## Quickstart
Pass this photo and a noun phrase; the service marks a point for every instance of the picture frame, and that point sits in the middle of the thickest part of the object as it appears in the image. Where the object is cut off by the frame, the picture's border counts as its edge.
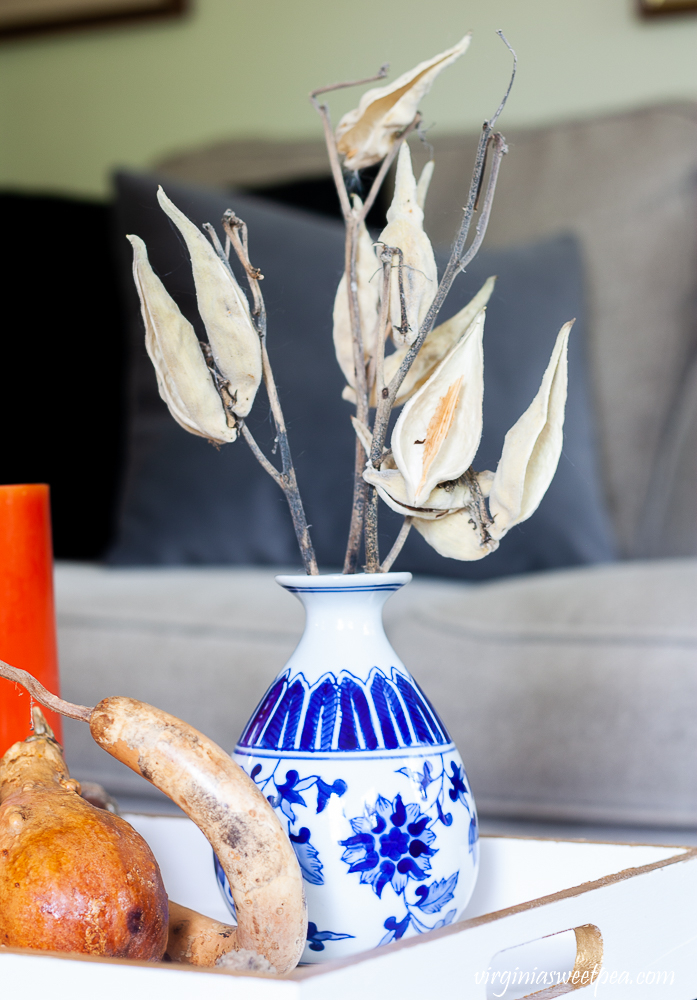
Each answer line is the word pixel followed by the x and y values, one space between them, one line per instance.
pixel 662 8
pixel 30 17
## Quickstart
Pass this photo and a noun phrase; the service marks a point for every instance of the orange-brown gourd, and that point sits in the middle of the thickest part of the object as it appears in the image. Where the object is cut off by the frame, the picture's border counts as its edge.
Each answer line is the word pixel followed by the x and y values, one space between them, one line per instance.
pixel 72 877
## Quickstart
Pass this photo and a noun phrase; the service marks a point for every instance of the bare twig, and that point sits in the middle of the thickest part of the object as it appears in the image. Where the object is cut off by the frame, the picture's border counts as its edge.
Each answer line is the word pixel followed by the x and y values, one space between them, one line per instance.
pixel 500 149
pixel 398 545
pixel 40 694
pixel 372 550
pixel 481 518
pixel 334 162
pixel 360 493
pixel 505 97
pixel 380 75
pixel 237 233
pixel 259 454
pixel 361 389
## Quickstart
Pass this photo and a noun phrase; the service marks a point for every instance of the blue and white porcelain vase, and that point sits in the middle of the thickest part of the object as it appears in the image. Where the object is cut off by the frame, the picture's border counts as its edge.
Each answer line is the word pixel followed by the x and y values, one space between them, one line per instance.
pixel 363 775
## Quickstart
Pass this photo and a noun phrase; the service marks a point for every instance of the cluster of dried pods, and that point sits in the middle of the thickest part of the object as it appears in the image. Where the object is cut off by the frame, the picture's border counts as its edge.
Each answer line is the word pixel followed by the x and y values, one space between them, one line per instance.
pixel 389 294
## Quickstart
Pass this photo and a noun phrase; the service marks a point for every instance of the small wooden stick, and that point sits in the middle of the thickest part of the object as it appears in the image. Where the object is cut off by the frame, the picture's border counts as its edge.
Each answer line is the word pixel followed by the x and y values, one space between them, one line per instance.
pixel 398 545
pixel 40 694
pixel 236 231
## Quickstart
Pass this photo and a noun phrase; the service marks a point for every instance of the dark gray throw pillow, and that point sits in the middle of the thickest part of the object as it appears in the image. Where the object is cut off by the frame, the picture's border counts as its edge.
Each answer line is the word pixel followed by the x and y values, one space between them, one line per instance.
pixel 186 502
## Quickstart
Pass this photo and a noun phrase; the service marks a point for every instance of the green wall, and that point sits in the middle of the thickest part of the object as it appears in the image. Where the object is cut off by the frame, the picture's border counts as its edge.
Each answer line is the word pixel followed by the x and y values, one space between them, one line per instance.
pixel 74 105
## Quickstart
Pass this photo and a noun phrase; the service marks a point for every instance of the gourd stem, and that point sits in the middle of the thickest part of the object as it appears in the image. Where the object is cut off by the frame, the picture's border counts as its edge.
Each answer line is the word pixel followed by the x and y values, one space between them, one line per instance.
pixel 39 692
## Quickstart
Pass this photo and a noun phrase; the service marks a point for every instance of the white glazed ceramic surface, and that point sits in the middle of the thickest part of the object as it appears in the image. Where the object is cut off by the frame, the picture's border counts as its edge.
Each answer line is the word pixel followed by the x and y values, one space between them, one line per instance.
pixel 363 776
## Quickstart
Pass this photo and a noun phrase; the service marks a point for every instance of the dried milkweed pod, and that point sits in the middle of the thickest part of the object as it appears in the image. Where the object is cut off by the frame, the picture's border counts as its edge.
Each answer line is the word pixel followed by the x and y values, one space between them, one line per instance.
pixel 457 536
pixel 392 489
pixel 405 231
pixel 532 447
pixel 368 293
pixel 367 133
pixel 183 378
pixel 438 431
pixel 436 345
pixel 224 311
pixel 424 183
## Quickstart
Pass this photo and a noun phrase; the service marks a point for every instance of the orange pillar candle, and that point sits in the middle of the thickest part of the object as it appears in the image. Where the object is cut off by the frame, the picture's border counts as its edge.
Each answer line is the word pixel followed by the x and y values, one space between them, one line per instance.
pixel 27 614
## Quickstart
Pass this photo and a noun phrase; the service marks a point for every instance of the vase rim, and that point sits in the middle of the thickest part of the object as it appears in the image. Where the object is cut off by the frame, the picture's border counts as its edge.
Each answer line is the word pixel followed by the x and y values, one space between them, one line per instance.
pixel 343 581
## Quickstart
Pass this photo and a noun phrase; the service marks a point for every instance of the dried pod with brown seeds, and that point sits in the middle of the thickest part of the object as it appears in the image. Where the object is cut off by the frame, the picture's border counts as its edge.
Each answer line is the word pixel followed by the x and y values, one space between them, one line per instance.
pixel 73 877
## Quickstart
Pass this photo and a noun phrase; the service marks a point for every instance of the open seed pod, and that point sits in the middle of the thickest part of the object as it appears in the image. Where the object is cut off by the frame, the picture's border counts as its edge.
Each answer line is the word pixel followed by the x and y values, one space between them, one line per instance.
pixel 438 431
pixel 366 134
pixel 532 447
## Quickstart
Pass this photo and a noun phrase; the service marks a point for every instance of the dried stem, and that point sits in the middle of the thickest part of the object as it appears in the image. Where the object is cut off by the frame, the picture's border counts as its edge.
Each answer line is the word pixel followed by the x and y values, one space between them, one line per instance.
pixel 40 694
pixel 380 75
pixel 237 233
pixel 372 550
pixel 361 387
pixel 353 219
pixel 398 545
pixel 259 454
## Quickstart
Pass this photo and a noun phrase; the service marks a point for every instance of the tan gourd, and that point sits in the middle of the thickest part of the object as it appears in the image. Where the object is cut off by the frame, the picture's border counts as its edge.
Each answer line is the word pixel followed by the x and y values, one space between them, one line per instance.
pixel 73 877
pixel 238 822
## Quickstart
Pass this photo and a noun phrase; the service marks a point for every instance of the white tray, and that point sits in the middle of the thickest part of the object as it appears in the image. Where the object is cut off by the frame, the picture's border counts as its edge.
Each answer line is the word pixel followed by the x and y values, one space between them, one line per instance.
pixel 633 909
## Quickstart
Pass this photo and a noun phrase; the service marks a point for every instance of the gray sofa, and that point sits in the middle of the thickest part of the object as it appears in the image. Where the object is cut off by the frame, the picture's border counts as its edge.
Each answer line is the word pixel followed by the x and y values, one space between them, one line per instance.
pixel 571 694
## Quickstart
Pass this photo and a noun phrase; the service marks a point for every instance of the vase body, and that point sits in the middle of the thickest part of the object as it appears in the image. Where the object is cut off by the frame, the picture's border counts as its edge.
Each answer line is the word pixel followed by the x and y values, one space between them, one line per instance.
pixel 363 776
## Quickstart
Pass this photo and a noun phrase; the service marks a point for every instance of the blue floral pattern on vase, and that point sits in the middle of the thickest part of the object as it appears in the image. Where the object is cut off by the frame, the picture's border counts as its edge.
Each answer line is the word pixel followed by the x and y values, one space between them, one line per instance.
pixel 390 844
pixel 363 775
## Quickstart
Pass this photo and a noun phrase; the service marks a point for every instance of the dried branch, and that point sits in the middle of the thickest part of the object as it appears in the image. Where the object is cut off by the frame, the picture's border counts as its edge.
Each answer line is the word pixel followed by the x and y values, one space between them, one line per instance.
pixel 237 233
pixel 40 694
pixel 334 161
pixel 259 454
pixel 504 99
pixel 398 545
pixel 372 550
pixel 380 75
pixel 458 257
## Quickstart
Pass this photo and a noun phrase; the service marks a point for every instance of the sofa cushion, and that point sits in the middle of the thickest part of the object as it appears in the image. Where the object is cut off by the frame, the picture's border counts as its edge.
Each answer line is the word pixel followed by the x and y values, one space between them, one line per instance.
pixel 185 502
pixel 571 695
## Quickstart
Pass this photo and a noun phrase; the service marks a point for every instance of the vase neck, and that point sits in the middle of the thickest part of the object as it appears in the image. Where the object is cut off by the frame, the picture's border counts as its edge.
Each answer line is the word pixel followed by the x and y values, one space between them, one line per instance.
pixel 343 626
pixel 344 689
